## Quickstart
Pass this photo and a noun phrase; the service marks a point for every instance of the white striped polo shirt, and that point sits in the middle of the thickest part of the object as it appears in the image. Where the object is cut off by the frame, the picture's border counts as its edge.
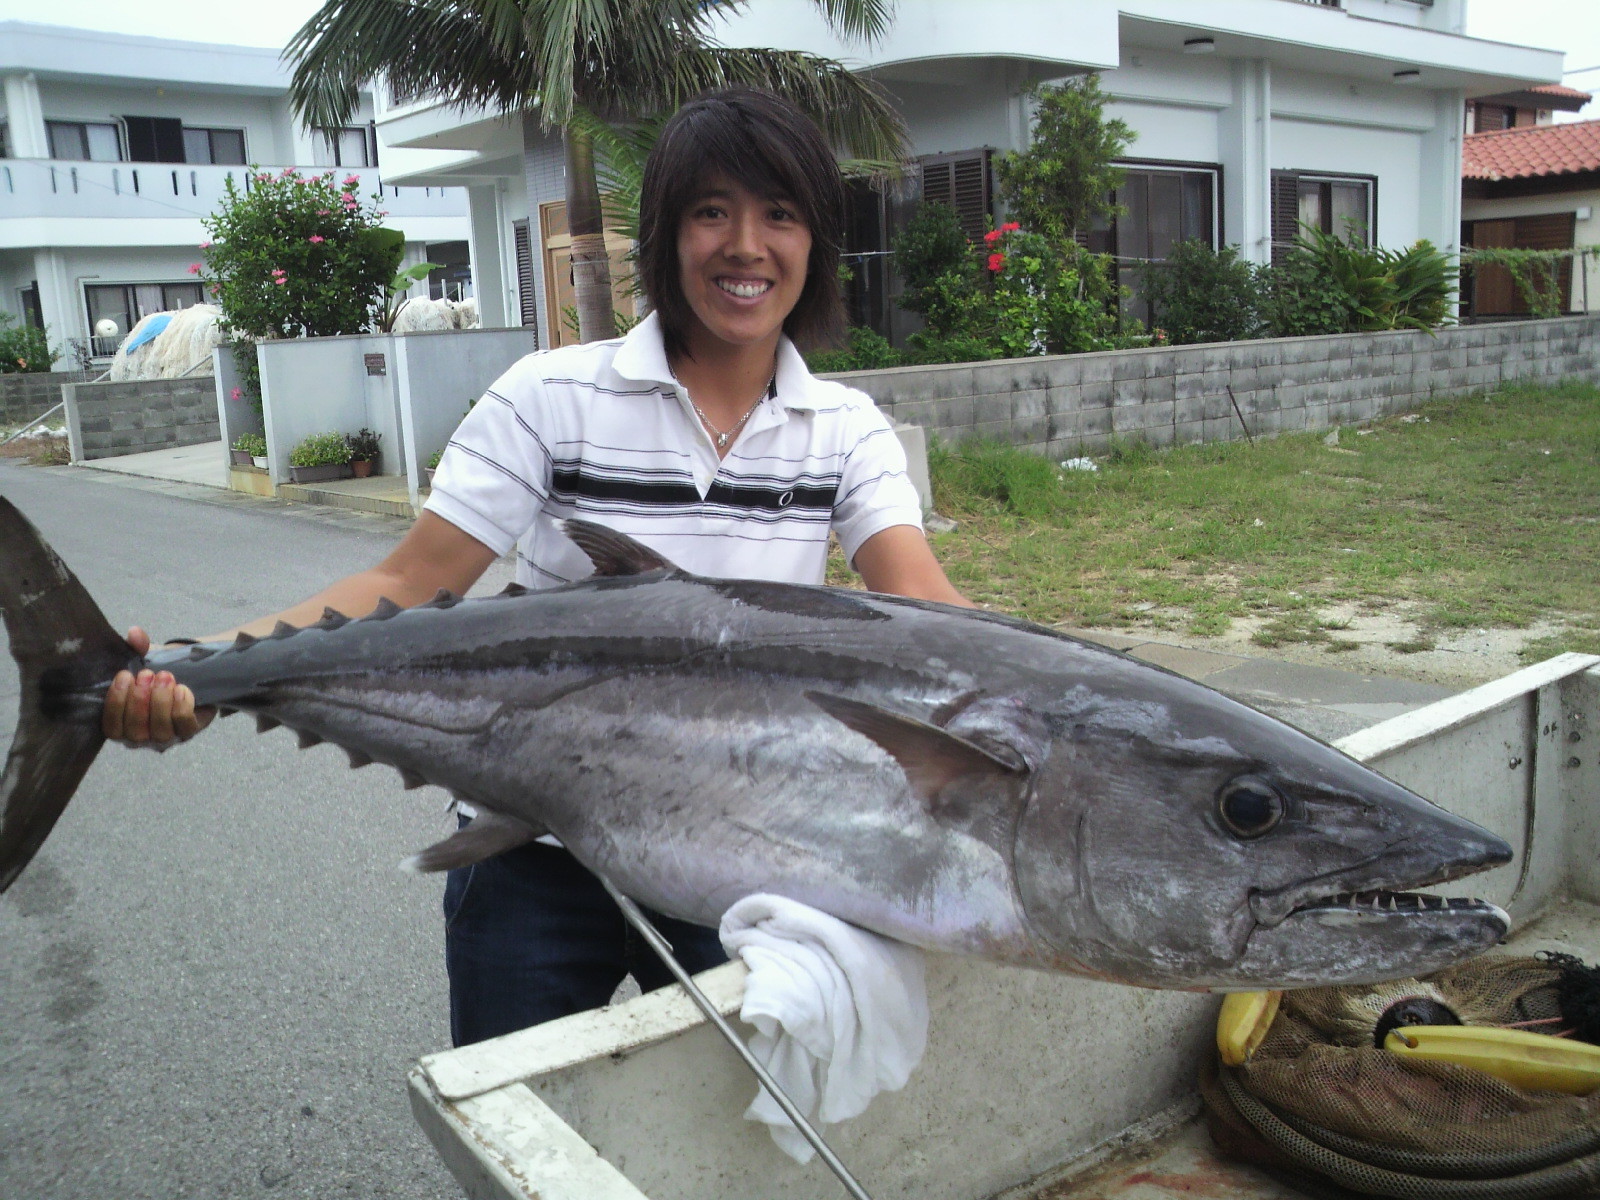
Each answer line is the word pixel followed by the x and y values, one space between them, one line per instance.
pixel 603 432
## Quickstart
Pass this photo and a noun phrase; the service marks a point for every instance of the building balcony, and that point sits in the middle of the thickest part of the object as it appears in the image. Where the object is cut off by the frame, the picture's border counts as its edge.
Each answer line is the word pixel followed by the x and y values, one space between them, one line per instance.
pixel 47 202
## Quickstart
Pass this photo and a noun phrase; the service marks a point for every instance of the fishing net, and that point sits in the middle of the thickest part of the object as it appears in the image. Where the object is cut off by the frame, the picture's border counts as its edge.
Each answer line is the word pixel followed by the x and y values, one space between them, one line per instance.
pixel 1320 1104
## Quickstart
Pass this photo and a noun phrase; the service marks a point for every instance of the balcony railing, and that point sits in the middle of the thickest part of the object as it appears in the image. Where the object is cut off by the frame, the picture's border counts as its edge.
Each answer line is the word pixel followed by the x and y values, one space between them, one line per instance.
pixel 31 187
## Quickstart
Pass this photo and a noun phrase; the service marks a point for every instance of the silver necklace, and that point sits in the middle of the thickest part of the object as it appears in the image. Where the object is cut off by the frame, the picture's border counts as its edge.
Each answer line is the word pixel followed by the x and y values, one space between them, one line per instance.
pixel 717 435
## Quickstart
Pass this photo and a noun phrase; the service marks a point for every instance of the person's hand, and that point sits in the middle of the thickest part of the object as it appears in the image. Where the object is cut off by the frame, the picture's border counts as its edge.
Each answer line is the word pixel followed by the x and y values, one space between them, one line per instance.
pixel 152 708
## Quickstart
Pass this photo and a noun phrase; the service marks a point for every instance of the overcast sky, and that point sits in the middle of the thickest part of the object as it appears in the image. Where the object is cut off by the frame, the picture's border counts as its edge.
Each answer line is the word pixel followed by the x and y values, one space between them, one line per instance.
pixel 1569 25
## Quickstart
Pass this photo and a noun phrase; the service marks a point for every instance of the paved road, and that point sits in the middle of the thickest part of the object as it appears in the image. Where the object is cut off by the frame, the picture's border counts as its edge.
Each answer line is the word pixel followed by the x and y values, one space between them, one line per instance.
pixel 213 977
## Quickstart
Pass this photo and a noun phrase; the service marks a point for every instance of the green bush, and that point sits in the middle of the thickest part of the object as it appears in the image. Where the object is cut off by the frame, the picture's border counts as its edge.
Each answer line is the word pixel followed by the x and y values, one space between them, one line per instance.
pixel 24 348
pixel 320 450
pixel 297 256
pixel 1206 295
pixel 252 444
pixel 1067 174
pixel 1330 284
pixel 1298 300
pixel 867 350
pixel 1048 297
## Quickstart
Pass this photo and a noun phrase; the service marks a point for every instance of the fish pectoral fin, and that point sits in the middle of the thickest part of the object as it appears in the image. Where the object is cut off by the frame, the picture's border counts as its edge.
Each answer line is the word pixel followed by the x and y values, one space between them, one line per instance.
pixel 932 758
pixel 613 553
pixel 488 834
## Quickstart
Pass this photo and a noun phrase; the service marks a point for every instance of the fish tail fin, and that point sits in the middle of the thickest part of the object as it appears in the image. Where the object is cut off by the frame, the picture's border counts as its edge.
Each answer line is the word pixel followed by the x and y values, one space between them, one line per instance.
pixel 66 654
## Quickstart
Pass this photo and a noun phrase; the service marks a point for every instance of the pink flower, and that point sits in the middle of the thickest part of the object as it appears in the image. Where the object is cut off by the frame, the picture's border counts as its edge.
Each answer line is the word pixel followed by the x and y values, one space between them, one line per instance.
pixel 280 282
pixel 263 178
pixel 215 288
pixel 383 212
pixel 996 261
pixel 316 238
pixel 205 245
pixel 236 394
pixel 323 212
pixel 347 196
pixel 194 268
pixel 351 206
pixel 351 181
pixel 289 173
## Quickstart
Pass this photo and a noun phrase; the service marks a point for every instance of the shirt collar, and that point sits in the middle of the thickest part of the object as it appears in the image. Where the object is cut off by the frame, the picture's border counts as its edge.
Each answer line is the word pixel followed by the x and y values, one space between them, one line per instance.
pixel 643 358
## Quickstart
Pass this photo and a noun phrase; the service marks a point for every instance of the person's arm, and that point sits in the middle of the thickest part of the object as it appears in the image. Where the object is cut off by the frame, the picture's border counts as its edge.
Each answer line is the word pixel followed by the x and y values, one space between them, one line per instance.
pixel 153 707
pixel 898 560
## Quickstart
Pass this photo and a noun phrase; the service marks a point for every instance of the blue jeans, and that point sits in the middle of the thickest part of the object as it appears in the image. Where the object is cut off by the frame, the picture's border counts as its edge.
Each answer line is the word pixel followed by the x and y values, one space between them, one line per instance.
pixel 531 935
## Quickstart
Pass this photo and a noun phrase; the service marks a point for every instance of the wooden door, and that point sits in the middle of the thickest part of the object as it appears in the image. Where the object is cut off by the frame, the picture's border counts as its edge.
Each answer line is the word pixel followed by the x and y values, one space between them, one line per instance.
pixel 1494 292
pixel 561 298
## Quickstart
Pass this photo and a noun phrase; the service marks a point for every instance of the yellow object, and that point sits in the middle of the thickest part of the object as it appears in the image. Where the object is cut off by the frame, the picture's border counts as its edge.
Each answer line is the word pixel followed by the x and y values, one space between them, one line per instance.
pixel 1536 1061
pixel 1243 1023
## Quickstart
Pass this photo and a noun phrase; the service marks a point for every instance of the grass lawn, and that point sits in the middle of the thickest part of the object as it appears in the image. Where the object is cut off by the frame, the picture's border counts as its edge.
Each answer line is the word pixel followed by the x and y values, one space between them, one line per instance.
pixel 1473 512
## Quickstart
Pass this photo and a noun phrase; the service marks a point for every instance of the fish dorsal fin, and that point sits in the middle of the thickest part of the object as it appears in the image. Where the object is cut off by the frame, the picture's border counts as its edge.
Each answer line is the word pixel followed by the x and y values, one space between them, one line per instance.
pixel 613 553
pixel 932 758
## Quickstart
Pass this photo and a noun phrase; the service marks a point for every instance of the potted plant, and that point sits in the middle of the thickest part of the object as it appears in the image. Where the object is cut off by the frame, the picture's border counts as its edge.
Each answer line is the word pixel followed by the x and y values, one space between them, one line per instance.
pixel 249 449
pixel 363 444
pixel 319 456
pixel 433 465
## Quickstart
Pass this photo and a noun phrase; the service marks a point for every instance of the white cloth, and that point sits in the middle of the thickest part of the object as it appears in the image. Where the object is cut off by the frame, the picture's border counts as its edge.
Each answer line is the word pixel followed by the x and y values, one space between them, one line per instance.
pixel 840 1014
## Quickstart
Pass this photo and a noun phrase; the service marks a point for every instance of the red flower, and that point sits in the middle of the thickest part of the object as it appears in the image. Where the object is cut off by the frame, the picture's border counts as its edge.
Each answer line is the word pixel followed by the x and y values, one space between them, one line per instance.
pixel 1010 227
pixel 996 261
pixel 992 236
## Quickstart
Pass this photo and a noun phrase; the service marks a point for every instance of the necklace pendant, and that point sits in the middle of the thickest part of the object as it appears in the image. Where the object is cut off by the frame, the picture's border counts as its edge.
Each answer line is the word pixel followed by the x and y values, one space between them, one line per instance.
pixel 722 440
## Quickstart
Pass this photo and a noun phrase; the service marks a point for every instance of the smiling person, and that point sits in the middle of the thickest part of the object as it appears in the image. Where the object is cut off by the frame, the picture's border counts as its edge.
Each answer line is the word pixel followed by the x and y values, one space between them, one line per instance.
pixel 702 434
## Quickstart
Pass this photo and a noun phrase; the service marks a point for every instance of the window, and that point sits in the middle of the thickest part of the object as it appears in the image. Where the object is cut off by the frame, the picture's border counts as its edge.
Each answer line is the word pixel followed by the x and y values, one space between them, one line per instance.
pixel 1345 206
pixel 224 146
pixel 1162 204
pixel 84 141
pixel 351 146
pixel 965 183
pixel 126 304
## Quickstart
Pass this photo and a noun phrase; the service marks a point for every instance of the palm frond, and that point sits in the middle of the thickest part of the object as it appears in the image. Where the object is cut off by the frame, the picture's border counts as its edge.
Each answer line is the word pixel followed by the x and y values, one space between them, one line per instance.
pixel 423 46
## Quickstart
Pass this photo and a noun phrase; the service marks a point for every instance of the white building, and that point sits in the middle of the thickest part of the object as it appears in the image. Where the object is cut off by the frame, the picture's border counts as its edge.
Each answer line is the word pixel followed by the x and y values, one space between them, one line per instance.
pixel 112 148
pixel 1252 116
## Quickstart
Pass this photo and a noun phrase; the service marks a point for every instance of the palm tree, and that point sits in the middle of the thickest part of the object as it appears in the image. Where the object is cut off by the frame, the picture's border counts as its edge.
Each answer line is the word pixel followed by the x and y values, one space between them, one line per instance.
pixel 549 59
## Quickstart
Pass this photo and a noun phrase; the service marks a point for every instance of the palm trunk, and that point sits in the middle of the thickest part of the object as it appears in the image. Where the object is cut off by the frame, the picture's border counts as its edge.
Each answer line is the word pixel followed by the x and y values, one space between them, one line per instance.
pixel 591 264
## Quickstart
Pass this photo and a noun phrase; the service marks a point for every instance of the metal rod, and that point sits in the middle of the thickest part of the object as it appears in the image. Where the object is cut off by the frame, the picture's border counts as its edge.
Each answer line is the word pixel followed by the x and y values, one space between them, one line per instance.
pixel 1240 415
pixel 31 424
pixel 663 949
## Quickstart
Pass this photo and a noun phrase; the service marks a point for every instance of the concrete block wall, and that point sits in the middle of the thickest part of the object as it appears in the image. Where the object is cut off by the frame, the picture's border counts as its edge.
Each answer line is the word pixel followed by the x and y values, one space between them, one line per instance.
pixel 25 397
pixel 105 420
pixel 1076 404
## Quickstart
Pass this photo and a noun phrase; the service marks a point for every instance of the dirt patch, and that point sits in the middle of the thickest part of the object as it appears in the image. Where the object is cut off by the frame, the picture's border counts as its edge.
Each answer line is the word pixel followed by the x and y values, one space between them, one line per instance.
pixel 1392 641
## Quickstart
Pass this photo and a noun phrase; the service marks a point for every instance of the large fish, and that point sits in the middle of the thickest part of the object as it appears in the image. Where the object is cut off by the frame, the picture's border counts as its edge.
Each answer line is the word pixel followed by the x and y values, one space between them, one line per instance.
pixel 958 780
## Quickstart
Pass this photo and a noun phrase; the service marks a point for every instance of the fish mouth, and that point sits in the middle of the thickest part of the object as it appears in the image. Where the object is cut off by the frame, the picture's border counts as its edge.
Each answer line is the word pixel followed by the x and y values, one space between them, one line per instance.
pixel 1345 893
pixel 1380 903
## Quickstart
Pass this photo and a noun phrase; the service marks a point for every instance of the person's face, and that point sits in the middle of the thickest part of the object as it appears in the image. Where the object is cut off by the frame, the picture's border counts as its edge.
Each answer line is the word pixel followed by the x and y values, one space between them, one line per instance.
pixel 742 265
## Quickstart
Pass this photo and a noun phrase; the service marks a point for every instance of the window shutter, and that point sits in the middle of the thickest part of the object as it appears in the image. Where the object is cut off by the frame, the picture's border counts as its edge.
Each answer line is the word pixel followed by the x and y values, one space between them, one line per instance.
pixel 1285 212
pixel 963 182
pixel 525 283
pixel 154 139
pixel 1552 231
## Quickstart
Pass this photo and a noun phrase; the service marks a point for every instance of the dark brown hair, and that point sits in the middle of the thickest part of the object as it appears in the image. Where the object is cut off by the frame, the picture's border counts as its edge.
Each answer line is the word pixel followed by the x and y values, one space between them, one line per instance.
pixel 765 143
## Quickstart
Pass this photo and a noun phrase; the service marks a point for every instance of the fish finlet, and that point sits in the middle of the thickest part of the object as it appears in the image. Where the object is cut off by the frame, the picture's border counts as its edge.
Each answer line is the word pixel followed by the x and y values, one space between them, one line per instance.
pixel 282 630
pixel 332 618
pixel 266 724
pixel 514 589
pixel 410 779
pixel 383 610
pixel 358 758
pixel 196 653
pixel 444 598
pixel 308 739
pixel 244 641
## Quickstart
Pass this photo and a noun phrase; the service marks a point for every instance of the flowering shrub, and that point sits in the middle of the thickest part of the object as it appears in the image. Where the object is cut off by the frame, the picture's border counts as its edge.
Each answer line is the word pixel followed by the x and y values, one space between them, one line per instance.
pixel 1048 297
pixel 297 256
pixel 23 348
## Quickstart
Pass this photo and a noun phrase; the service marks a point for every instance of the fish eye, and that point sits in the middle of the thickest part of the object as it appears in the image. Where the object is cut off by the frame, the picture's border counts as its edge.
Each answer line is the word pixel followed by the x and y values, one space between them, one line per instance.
pixel 1250 807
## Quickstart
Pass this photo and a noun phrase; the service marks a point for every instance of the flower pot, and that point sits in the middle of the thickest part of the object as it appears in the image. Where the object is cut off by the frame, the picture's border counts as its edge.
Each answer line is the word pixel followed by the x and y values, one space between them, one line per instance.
pixel 361 467
pixel 258 460
pixel 239 458
pixel 428 471
pixel 319 474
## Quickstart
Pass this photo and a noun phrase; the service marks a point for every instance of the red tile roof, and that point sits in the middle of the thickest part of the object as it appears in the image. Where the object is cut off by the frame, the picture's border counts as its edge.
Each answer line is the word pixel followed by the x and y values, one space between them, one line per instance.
pixel 1532 151
pixel 1557 89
